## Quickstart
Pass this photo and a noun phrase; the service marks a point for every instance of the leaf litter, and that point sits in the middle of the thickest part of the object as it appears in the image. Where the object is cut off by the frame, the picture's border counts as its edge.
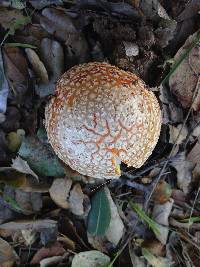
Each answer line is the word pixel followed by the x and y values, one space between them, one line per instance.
pixel 142 219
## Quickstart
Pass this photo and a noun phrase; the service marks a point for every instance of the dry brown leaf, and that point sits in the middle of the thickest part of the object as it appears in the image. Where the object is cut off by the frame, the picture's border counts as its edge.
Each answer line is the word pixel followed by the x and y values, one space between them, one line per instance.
pixel 16 71
pixel 174 133
pixel 37 65
pixel 59 192
pixel 7 255
pixel 55 250
pixel 162 192
pixel 194 154
pixel 184 80
pixel 28 224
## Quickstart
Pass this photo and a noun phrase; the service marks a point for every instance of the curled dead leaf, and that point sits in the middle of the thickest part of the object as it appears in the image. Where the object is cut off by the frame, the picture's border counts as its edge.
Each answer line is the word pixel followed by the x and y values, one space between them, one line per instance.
pixel 59 192
pixel 37 65
pixel 184 80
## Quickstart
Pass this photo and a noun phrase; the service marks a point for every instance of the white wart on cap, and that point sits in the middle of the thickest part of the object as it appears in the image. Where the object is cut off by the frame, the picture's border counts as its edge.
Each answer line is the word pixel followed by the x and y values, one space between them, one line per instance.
pixel 102 116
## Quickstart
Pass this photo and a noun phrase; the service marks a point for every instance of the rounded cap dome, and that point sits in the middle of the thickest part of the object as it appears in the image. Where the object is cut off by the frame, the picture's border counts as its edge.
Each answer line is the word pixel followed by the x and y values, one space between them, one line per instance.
pixel 102 116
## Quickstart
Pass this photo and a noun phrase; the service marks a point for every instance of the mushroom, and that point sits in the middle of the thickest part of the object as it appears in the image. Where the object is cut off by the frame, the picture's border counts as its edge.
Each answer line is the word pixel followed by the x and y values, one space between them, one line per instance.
pixel 101 116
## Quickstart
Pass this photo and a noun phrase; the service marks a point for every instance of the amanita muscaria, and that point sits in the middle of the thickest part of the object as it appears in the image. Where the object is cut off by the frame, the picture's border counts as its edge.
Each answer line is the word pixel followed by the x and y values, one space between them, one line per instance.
pixel 102 116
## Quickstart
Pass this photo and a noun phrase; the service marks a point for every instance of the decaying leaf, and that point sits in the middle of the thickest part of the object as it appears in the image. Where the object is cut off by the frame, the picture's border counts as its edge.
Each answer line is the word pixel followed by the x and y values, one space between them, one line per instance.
pixel 63 27
pixel 161 214
pixel 12 19
pixel 12 177
pixel 116 227
pixel 14 140
pixel 40 157
pixel 156 261
pixel 7 254
pixel 91 258
pixel 100 214
pixel 177 131
pixel 37 65
pixel 21 165
pixel 194 154
pixel 29 224
pixel 52 261
pixel 162 193
pixel 29 236
pixel 76 200
pixel 184 172
pixel 52 55
pixel 16 71
pixel 55 250
pixel 184 80
pixel 59 192
pixel 30 202
pixel 154 246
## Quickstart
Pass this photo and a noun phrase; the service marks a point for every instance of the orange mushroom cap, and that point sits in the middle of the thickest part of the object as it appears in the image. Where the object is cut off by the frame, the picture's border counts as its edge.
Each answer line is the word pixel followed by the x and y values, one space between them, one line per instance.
pixel 102 116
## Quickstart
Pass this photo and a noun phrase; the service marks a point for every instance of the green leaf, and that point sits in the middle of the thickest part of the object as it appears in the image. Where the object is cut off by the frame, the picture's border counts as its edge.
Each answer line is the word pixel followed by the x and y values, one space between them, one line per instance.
pixel 40 157
pixel 91 258
pixel 143 216
pixel 100 214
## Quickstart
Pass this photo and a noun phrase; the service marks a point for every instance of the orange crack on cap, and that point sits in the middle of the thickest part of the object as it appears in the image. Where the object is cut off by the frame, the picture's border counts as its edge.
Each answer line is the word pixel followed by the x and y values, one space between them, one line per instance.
pixel 102 116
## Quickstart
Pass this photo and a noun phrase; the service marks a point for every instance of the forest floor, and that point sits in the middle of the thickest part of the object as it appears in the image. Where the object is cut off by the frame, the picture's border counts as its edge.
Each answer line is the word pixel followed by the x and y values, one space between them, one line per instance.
pixel 48 212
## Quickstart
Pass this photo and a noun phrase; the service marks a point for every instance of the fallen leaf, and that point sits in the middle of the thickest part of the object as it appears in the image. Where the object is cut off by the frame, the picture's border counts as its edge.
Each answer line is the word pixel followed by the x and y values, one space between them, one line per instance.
pixel 59 192
pixel 176 113
pixel 12 19
pixel 184 80
pixel 53 57
pixel 52 261
pixel 55 250
pixel 29 224
pixel 37 65
pixel 14 141
pixel 40 157
pixel 21 165
pixel 184 172
pixel 116 227
pixel 161 214
pixel 155 261
pixel 194 154
pixel 7 255
pixel 62 26
pixel 16 71
pixel 174 133
pixel 29 236
pixel 76 199
pixel 92 258
pixel 12 177
pixel 30 202
pixel 100 214
pixel 162 192
pixel 154 246
pixel 136 260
